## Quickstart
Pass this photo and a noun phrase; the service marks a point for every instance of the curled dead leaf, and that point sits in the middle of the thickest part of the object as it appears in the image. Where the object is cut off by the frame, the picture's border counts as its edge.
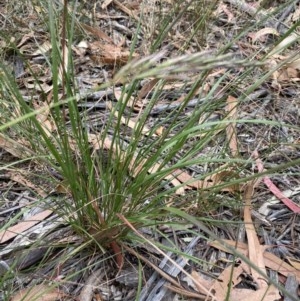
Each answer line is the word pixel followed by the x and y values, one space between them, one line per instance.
pixel 261 34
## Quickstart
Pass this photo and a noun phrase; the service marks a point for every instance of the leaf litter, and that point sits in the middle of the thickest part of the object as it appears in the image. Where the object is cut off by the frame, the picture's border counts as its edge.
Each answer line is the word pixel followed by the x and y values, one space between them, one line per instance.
pixel 108 54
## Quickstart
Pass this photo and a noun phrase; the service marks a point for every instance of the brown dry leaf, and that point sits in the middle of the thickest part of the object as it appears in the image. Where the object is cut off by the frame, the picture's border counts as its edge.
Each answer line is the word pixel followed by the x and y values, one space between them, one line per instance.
pixel 13 231
pixel 184 177
pixel 294 64
pixel 159 131
pixel 254 247
pixel 103 53
pixel 43 49
pixel 293 262
pixel 261 34
pixel 147 88
pixel 20 177
pixel 80 49
pixel 63 187
pixel 288 74
pixel 271 261
pixel 14 147
pixel 231 109
pixel 43 118
pixel 268 294
pixel 42 86
pixel 199 279
pixel 96 32
pixel 25 38
pixel 218 178
pixel 229 278
pixel 230 16
pixel 255 252
pixel 39 292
